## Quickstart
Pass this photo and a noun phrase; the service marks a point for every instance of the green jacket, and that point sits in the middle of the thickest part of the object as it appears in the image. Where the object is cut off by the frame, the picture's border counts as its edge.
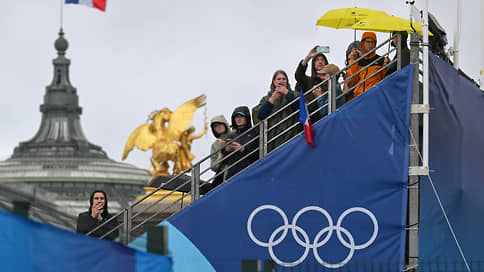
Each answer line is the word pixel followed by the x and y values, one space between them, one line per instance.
pixel 265 108
pixel 306 83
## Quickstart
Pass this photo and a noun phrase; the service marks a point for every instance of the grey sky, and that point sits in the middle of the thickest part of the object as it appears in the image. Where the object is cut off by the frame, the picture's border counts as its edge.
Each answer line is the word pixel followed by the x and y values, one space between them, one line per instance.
pixel 145 55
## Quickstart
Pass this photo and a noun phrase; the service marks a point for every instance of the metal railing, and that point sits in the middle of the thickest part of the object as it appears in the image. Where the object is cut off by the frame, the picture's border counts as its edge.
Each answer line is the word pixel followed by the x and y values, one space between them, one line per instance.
pixel 129 219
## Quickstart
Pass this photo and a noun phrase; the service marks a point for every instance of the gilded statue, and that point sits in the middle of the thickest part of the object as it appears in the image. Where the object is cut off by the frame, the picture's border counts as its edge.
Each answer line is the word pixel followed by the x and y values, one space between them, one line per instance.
pixel 168 135
pixel 186 139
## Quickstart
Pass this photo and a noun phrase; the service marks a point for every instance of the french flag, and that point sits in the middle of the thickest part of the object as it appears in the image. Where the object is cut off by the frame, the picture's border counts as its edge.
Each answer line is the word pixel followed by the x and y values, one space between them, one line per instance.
pixel 304 119
pixel 99 4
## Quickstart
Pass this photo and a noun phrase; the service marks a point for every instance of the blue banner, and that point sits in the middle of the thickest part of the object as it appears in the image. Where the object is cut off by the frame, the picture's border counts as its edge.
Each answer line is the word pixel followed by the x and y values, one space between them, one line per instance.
pixel 26 245
pixel 456 162
pixel 337 205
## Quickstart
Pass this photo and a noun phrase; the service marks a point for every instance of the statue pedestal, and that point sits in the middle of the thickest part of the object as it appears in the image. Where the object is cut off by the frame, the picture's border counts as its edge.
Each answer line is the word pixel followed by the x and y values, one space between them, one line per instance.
pixel 182 184
pixel 169 204
pixel 162 180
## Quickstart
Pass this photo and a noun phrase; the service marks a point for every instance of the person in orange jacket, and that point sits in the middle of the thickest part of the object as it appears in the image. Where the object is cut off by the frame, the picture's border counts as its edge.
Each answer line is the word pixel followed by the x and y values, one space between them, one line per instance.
pixel 370 74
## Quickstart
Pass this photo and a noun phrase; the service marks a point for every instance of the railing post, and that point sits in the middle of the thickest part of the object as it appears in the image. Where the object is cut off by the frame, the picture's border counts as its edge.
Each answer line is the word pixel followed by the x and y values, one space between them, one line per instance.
pixel 195 182
pixel 399 51
pixel 269 266
pixel 21 207
pixel 263 139
pixel 332 94
pixel 251 265
pixel 127 225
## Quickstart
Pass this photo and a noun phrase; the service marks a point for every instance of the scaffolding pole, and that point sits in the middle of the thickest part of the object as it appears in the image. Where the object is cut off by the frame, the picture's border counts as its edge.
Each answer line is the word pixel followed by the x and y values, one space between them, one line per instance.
pixel 413 180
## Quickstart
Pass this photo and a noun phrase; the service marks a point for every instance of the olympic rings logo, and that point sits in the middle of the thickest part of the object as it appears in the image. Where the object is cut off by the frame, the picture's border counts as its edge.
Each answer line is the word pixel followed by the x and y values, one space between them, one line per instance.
pixel 340 231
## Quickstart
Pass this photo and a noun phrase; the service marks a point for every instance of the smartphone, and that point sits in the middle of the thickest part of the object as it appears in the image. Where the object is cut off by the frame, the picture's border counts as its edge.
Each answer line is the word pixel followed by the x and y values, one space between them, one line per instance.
pixel 322 49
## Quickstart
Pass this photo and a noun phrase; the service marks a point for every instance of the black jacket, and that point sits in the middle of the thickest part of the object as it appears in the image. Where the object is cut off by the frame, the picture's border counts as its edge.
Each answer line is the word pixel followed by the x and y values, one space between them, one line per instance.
pixel 85 223
pixel 242 136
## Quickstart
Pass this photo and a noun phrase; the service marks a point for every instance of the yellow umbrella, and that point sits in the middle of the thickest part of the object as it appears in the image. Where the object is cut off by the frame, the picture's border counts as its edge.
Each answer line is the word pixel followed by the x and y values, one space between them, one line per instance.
pixel 387 24
pixel 347 17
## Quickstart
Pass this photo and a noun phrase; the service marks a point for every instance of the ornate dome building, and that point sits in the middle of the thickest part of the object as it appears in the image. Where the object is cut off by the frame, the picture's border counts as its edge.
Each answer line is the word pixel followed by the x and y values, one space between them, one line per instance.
pixel 59 168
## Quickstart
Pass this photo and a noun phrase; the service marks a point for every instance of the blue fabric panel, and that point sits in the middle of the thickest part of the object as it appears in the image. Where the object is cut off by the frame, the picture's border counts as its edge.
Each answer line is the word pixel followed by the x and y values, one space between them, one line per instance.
pixel 456 160
pixel 358 166
pixel 148 262
pixel 186 256
pixel 26 245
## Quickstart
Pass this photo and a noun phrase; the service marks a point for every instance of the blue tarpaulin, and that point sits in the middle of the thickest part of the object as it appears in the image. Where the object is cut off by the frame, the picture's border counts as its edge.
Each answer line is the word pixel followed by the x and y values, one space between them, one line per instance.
pixel 456 161
pixel 337 205
pixel 26 245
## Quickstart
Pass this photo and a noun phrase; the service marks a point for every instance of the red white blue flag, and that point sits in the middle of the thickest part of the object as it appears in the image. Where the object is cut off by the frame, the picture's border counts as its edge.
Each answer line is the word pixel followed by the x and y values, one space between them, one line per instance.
pixel 99 4
pixel 304 119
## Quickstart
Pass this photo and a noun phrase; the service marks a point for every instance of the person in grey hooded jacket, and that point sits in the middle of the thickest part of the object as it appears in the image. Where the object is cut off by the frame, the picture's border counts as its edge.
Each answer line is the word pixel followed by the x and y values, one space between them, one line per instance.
pixel 220 130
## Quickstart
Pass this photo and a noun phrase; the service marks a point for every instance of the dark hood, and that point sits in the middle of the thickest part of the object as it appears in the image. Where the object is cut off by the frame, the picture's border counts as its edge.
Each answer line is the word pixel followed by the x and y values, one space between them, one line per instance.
pixel 245 110
pixel 404 36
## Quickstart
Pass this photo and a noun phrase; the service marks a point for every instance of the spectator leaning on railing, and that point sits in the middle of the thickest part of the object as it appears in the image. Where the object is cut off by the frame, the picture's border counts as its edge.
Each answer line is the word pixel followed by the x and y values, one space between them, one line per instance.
pixel 368 75
pixel 235 150
pixel 318 61
pixel 353 52
pixel 96 215
pixel 279 96
pixel 220 130
pixel 404 52
pixel 324 74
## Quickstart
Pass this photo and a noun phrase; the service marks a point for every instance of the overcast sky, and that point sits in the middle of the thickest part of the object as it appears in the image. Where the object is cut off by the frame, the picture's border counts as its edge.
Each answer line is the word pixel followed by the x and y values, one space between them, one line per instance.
pixel 140 56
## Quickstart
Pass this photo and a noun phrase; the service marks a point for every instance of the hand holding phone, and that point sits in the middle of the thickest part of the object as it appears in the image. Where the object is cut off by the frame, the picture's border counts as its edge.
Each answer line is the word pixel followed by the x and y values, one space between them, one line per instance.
pixel 354 54
pixel 322 49
pixel 281 88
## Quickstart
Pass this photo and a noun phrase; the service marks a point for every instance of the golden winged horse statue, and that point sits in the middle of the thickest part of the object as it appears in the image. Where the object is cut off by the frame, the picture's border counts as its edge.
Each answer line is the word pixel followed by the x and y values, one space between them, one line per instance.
pixel 168 136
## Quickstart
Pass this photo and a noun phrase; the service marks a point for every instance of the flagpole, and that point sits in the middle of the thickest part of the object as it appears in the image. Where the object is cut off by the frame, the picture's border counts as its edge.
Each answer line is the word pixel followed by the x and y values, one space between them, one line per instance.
pixel 457 32
pixel 61 13
pixel 425 34
pixel 481 70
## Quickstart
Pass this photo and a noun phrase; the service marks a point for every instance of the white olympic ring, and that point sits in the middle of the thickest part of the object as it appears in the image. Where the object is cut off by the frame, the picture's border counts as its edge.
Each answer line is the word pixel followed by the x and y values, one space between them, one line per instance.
pixel 315 244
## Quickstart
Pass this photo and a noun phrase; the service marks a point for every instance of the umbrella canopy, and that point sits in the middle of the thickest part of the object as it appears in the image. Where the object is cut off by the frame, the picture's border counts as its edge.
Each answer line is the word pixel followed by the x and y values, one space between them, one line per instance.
pixel 347 17
pixel 387 24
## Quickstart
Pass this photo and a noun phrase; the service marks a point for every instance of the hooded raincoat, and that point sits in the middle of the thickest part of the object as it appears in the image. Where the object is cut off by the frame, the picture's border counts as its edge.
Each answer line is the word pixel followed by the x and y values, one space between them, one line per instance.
pixel 215 150
pixel 369 74
pixel 243 136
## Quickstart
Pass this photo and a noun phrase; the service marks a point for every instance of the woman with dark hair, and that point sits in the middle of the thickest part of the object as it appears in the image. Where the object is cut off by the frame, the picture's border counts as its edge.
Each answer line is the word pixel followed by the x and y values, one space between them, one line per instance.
pixel 96 215
pixel 279 96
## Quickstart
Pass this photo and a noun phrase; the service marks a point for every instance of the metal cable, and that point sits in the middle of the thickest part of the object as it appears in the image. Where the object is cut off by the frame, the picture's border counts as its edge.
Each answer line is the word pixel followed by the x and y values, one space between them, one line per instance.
pixel 442 207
